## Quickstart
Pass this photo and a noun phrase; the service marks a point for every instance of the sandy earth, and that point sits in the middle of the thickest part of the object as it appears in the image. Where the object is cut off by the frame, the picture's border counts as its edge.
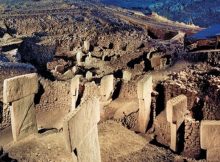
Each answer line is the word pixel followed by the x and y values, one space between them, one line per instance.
pixel 117 143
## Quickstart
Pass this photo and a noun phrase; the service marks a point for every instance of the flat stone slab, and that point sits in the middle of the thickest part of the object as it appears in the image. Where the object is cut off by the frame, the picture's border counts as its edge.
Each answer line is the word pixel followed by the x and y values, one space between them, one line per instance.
pixel 176 109
pixel 23 118
pixel 80 131
pixel 19 87
pixel 210 134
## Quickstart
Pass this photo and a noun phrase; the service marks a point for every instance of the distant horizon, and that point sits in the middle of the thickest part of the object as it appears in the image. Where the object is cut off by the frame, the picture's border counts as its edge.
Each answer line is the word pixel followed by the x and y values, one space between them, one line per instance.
pixel 176 10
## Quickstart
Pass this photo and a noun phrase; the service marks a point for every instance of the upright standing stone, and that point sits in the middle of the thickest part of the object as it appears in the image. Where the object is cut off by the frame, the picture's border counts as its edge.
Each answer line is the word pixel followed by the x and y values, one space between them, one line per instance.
pixel 210 139
pixel 107 87
pixel 81 132
pixel 144 90
pixel 79 57
pixel 176 109
pixel 210 134
pixel 86 46
pixel 19 92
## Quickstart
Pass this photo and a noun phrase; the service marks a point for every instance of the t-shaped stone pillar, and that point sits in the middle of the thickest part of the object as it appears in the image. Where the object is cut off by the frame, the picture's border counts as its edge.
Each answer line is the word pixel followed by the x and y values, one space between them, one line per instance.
pixel 19 93
pixel 176 109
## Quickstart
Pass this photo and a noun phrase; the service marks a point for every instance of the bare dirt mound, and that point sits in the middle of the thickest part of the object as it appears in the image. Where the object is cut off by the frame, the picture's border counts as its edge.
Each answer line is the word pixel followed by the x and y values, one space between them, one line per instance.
pixel 40 149
pixel 119 144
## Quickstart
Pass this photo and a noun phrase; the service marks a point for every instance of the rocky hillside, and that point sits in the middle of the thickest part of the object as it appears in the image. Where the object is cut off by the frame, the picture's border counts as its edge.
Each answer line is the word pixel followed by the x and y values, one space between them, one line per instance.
pixel 200 12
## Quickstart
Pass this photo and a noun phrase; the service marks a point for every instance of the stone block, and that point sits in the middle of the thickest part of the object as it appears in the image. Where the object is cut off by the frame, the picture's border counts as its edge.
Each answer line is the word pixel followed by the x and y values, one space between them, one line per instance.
pixel 176 109
pixel 213 154
pixel 19 87
pixel 107 87
pixel 210 134
pixel 80 131
pixel 23 118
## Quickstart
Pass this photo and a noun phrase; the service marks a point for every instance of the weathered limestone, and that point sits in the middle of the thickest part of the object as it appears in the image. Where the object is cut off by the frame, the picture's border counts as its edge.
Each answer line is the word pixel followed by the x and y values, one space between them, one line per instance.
pixel 89 75
pixel 86 46
pixel 210 139
pixel 79 56
pixel 19 93
pixel 173 140
pixel 176 109
pixel 74 90
pixel 127 76
pixel 144 90
pixel 213 154
pixel 209 134
pixel 107 87
pixel 23 118
pixel 81 132
pixel 20 87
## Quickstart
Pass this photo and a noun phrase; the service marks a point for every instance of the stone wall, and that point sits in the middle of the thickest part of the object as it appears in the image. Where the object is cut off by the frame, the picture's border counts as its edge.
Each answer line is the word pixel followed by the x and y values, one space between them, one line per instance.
pixel 192 138
pixel 173 89
pixel 162 129
pixel 210 56
pixel 53 95
pixel 53 102
pixel 211 104
pixel 128 90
